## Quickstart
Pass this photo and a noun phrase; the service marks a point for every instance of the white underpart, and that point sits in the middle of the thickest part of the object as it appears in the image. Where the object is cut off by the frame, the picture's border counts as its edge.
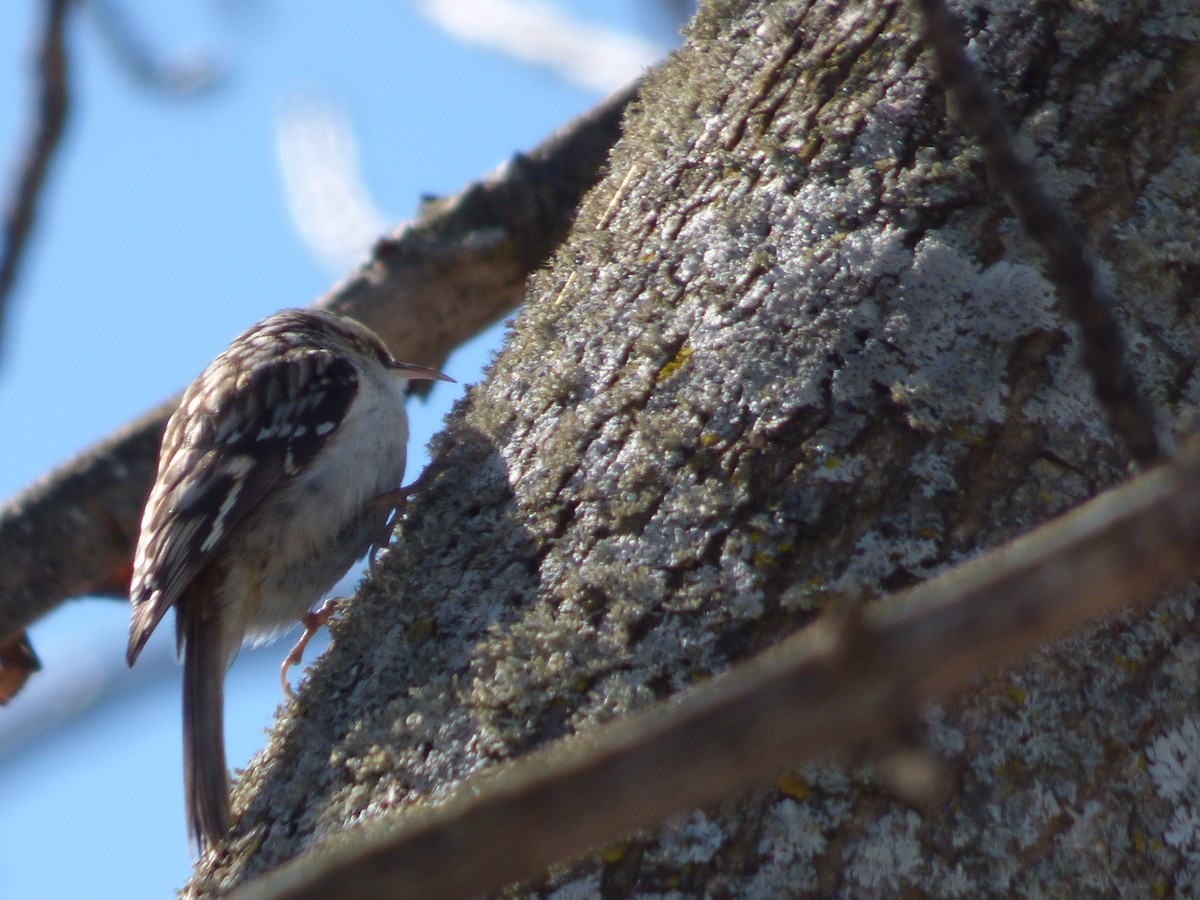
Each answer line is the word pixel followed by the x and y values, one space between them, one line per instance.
pixel 362 460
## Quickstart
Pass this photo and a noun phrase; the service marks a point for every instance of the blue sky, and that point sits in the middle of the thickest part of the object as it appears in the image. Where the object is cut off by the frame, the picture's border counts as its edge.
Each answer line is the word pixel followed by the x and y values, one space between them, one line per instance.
pixel 165 231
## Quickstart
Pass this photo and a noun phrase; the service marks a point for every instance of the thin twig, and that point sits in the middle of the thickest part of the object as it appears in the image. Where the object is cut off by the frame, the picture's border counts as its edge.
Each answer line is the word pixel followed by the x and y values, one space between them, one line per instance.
pixel 145 67
pixel 1068 263
pixel 53 102
pixel 832 687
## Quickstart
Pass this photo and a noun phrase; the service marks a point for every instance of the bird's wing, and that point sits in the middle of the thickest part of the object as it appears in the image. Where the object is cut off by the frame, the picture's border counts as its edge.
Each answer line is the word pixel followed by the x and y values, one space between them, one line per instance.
pixel 243 425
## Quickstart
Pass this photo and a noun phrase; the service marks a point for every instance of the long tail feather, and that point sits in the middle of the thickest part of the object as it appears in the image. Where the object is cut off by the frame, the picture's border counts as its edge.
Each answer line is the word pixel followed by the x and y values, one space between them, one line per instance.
pixel 205 775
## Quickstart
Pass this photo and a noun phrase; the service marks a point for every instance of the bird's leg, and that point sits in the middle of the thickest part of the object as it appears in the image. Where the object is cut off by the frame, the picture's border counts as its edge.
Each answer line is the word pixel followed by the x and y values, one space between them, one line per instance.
pixel 313 622
pixel 395 501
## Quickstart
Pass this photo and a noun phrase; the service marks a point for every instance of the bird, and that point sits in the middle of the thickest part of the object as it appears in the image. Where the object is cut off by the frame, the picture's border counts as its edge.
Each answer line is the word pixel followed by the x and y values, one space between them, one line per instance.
pixel 280 467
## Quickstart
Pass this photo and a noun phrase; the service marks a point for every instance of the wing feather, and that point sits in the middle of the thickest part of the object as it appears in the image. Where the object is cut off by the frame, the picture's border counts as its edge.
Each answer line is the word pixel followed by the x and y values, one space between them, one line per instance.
pixel 236 434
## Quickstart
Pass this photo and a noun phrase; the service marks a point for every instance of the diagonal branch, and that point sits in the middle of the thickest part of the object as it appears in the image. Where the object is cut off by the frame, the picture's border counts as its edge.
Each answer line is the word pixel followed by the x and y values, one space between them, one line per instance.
pixel 144 66
pixel 428 287
pixel 20 214
pixel 830 688
pixel 1069 266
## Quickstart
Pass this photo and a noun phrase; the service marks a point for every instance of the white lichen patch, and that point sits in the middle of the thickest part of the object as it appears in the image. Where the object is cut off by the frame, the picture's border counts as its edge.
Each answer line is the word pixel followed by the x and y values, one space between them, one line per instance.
pixel 1183 669
pixel 1174 762
pixel 935 471
pixel 585 888
pixel 878 555
pixel 832 467
pixel 793 837
pixel 948 324
pixel 945 736
pixel 1066 402
pixel 1176 19
pixel 697 841
pixel 888 856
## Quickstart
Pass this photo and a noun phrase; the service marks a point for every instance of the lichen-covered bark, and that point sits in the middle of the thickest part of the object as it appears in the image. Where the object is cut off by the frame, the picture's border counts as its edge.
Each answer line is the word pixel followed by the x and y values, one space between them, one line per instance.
pixel 798 353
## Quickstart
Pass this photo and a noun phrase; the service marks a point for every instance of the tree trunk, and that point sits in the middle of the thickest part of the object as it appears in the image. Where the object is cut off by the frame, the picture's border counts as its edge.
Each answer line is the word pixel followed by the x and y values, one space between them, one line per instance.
pixel 795 354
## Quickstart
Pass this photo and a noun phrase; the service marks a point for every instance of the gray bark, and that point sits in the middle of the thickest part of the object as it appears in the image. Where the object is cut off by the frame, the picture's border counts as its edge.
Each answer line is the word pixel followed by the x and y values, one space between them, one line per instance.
pixel 795 354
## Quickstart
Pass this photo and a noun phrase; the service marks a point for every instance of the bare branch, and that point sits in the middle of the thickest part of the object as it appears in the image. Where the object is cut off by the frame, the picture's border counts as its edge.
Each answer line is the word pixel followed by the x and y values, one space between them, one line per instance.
pixel 147 68
pixel 829 688
pixel 17 663
pixel 53 102
pixel 430 286
pixel 1069 266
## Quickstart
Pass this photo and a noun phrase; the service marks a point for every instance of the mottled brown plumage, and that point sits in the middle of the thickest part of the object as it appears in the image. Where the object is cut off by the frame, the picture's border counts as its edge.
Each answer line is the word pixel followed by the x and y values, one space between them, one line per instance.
pixel 267 490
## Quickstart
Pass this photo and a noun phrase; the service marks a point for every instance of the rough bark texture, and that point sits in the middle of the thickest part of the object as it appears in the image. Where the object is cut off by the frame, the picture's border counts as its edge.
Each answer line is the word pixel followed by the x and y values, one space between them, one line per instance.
pixel 797 352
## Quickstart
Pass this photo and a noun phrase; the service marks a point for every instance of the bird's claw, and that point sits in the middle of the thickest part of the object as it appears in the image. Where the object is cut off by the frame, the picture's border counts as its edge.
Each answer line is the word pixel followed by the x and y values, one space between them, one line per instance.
pixel 313 622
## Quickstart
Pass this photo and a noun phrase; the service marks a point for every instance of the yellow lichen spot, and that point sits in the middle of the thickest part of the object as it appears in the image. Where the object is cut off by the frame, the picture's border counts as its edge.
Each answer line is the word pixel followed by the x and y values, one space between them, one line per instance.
pixel 256 840
pixel 808 595
pixel 1160 887
pixel 614 853
pixel 1007 772
pixel 927 533
pixel 677 362
pixel 761 259
pixel 709 439
pixel 580 685
pixel 763 559
pixel 1016 694
pixel 833 462
pixel 965 434
pixel 755 537
pixel 419 630
pixel 1139 842
pixel 1126 663
pixel 786 547
pixel 795 787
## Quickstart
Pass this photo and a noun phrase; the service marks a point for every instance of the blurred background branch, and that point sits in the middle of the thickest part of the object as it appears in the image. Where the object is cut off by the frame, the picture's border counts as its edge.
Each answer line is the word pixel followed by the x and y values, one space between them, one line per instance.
pixel 178 75
pixel 47 121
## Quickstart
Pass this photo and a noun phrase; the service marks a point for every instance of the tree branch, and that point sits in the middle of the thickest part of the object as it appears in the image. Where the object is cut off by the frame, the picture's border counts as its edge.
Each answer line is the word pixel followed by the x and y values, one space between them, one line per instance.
pixel 52 106
pixel 832 687
pixel 434 283
pixel 1068 264
pixel 144 66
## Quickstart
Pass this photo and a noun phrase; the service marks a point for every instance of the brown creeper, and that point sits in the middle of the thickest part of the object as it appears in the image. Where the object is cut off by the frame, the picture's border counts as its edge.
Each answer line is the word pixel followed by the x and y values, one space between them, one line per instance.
pixel 278 470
